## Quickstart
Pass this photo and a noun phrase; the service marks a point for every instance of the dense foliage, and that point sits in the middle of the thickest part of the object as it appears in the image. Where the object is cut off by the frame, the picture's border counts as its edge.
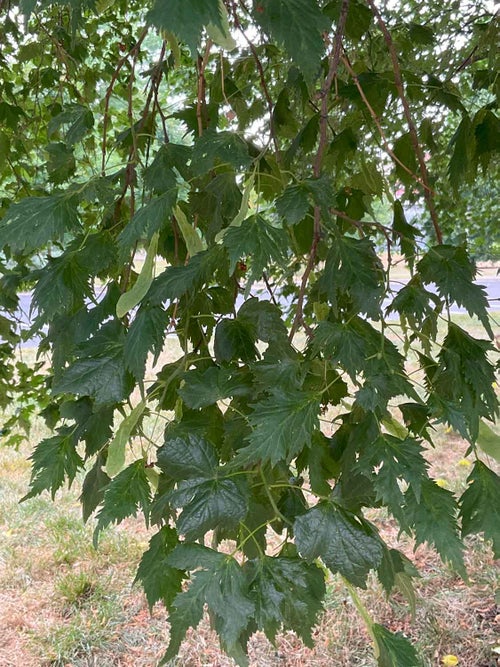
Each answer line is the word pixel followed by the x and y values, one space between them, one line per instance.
pixel 202 176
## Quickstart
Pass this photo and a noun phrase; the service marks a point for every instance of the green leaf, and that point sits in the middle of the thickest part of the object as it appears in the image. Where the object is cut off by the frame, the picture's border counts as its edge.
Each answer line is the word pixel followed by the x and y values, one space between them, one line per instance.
pixel 353 269
pixel 341 343
pixel 388 462
pixel 322 377
pixel 34 221
pixel 462 144
pixel 186 18
pixel 63 285
pixel 265 319
pixel 188 457
pixel 320 464
pixel 93 426
pixel 488 441
pixel 176 281
pixel 421 34
pixel 464 380
pixel 222 585
pixel 403 149
pixel 452 271
pixel 148 220
pixel 93 487
pixel 243 210
pixel 358 346
pixel 117 447
pixel 293 204
pixel 54 460
pixel 346 543
pixel 159 580
pixel 234 339
pixel 146 334
pixel 104 378
pixel 209 504
pixel 61 162
pixel 204 388
pixel 257 241
pixel 404 234
pixel 280 367
pixel 394 649
pixel 396 571
pixel 129 300
pixel 287 594
pixel 221 35
pixel 4 150
pixel 433 519
pixel 78 121
pixel 416 304
pixel 480 505
pixel 160 175
pixel 282 425
pixel 123 497
pixel 359 17
pixel 214 149
pixel 299 26
pixel 194 242
pixel 186 612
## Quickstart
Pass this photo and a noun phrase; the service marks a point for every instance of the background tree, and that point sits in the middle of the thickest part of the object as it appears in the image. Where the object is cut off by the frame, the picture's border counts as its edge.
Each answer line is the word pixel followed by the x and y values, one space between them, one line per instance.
pixel 239 149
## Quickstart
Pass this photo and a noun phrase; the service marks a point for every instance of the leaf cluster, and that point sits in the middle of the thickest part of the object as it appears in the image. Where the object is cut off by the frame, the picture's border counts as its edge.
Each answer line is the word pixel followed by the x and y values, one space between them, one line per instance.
pixel 204 176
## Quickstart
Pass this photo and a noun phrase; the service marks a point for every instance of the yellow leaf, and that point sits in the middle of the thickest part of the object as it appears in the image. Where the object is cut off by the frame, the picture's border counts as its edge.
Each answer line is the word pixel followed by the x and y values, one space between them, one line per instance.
pixel 117 447
pixel 449 660
pixel 194 242
pixel 139 289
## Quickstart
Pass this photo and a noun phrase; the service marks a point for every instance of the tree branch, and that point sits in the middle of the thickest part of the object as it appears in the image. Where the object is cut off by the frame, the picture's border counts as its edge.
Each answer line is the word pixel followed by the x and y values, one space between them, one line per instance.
pixel 398 80
pixel 378 125
pixel 200 97
pixel 263 83
pixel 109 91
pixel 333 61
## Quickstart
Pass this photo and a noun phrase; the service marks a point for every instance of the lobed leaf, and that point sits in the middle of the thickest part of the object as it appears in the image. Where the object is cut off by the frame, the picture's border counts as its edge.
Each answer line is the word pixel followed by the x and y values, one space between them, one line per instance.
pixel 480 505
pixel 34 221
pixel 346 543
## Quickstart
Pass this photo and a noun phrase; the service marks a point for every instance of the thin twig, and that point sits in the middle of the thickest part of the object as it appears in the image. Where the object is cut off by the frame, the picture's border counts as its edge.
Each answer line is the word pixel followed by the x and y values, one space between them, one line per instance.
pixel 263 83
pixel 200 98
pixel 269 289
pixel 378 125
pixel 155 83
pixel 398 80
pixel 333 60
pixel 359 224
pixel 109 92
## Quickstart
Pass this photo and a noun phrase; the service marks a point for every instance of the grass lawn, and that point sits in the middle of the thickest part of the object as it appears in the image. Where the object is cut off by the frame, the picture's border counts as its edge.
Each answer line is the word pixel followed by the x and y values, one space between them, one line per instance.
pixel 63 603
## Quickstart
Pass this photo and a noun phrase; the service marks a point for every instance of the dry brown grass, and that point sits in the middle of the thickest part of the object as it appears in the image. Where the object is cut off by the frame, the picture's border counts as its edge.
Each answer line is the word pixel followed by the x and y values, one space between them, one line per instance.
pixel 64 604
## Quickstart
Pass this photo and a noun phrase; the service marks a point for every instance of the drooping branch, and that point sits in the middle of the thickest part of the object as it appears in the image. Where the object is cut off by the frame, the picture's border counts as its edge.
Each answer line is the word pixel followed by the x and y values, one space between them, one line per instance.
pixel 378 125
pixel 333 64
pixel 398 80
pixel 325 91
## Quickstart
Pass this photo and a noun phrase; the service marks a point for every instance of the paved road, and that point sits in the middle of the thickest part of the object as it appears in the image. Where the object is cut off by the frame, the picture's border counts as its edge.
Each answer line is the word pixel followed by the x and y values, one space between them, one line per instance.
pixel 492 286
